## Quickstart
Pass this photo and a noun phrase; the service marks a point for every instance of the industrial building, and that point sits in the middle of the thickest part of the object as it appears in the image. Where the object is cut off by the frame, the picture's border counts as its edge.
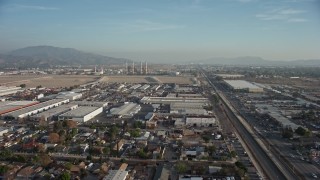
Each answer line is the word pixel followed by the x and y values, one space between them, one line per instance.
pixel 90 103
pixel 35 109
pixel 7 90
pixel 81 114
pixel 241 85
pixel 9 106
pixel 126 111
pixel 69 95
pixel 190 95
pixel 116 175
pixel 200 121
pixel 186 111
pixel 195 122
pixel 276 115
pixel 188 108
pixel 230 76
pixel 54 112
pixel 169 100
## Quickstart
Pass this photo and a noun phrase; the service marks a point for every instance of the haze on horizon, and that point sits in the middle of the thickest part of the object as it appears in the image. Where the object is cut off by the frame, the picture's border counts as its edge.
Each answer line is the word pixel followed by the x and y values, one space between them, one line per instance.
pixel 166 30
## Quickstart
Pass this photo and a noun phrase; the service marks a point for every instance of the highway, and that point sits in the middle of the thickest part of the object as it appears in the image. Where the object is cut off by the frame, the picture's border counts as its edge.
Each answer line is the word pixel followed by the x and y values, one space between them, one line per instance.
pixel 271 167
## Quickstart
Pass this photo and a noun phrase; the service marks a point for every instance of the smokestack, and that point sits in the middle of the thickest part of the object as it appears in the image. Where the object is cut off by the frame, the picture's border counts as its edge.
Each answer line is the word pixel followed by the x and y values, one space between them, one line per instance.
pixel 127 67
pixel 102 70
pixel 132 67
pixel 95 69
pixel 146 68
pixel 141 69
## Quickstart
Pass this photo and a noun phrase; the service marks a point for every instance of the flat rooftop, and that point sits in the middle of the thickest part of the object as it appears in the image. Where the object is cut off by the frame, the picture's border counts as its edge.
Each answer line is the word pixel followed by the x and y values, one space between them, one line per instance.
pixel 55 111
pixel 169 100
pixel 90 103
pixel 126 109
pixel 34 107
pixel 241 84
pixel 12 105
pixel 80 111
pixel 230 75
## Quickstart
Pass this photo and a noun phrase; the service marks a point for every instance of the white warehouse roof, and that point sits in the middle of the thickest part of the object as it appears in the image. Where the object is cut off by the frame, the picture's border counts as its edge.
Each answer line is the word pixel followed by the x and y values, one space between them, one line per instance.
pixel 241 84
pixel 128 109
pixel 81 111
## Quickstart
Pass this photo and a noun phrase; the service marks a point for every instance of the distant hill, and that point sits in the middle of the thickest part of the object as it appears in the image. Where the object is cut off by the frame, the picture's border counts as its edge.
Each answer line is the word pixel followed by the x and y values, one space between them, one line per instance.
pixel 43 56
pixel 258 61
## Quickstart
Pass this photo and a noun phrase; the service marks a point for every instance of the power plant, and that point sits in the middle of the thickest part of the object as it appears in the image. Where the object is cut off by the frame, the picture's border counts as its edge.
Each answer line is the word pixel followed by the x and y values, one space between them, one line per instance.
pixel 132 70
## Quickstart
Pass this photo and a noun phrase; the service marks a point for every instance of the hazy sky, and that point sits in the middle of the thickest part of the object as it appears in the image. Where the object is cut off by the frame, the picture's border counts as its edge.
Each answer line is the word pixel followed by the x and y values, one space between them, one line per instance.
pixel 166 30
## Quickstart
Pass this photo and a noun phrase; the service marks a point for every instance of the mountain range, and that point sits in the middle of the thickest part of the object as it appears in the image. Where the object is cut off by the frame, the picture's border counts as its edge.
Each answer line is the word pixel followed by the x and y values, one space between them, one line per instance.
pixel 49 56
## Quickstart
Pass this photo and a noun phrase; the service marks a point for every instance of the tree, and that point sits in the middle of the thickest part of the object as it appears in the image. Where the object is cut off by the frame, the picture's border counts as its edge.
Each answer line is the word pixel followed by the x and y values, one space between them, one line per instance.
pixel 68 165
pixel 206 139
pixel 22 85
pixel 35 159
pixel 89 157
pixel 65 176
pixel 74 132
pixel 233 154
pixel 3 169
pixel 57 126
pixel 211 149
pixel 137 124
pixel 54 138
pixel 215 99
pixel 240 165
pixel 114 130
pixel 301 131
pixel 142 154
pixel 41 147
pixel 135 132
pixel 181 168
pixel 45 159
pixel 308 133
pixel 71 124
pixel 106 150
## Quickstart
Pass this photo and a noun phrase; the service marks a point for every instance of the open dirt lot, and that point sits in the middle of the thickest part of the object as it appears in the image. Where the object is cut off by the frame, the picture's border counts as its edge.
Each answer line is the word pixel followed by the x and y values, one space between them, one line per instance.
pixel 50 81
pixel 146 79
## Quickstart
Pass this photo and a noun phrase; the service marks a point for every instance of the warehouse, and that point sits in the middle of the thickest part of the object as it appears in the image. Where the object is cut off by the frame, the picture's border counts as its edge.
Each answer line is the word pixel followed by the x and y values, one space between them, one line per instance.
pixel 169 100
pixel 200 122
pixel 230 76
pixel 90 103
pixel 186 111
pixel 276 115
pixel 35 109
pixel 190 95
pixel 9 106
pixel 241 85
pixel 81 114
pixel 126 111
pixel 54 112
